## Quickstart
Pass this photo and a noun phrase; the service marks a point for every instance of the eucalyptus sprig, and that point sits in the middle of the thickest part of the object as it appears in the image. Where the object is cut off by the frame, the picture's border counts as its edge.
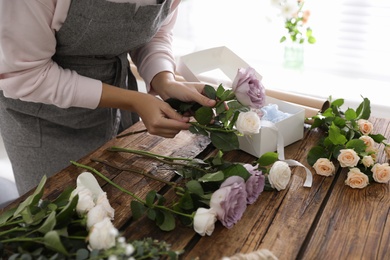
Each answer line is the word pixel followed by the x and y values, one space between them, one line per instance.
pixel 217 123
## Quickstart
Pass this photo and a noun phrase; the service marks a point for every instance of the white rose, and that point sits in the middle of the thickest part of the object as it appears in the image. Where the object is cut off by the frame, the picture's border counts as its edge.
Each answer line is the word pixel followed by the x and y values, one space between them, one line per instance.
pixel 96 215
pixel 369 142
pixel 102 200
pixel 248 123
pixel 204 221
pixel 85 202
pixel 102 235
pixel 279 175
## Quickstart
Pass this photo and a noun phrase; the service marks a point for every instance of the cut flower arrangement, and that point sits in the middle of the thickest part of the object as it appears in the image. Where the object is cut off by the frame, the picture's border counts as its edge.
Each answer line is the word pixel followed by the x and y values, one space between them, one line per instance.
pixel 296 19
pixel 352 142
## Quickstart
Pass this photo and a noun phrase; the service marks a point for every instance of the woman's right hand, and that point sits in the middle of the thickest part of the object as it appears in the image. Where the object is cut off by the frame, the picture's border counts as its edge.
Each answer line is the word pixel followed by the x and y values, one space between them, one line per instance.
pixel 158 117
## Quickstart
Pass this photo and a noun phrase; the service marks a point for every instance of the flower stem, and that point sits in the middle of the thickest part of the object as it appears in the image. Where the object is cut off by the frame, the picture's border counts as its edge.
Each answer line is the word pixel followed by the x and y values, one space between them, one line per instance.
pixel 134 171
pixel 168 160
pixel 132 133
pixel 107 180
pixel 212 128
pixel 126 191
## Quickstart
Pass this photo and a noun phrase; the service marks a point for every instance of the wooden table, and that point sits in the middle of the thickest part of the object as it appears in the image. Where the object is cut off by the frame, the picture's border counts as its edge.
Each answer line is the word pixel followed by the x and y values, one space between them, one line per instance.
pixel 327 221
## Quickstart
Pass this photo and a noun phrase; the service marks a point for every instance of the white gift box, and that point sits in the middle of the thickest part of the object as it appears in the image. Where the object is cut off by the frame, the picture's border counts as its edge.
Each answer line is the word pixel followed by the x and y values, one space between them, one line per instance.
pixel 220 65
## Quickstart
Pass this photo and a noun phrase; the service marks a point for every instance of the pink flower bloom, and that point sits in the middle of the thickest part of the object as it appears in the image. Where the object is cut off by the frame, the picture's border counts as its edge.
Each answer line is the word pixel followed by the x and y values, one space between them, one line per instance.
pixel 254 184
pixel 229 201
pixel 248 89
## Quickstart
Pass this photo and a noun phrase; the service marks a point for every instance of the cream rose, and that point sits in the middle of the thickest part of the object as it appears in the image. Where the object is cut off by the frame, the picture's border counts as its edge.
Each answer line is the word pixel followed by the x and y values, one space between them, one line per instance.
pixel 381 172
pixel 348 158
pixel 279 175
pixel 356 179
pixel 367 161
pixel 103 201
pixel 85 202
pixel 204 221
pixel 369 142
pixel 248 123
pixel 324 167
pixel 365 126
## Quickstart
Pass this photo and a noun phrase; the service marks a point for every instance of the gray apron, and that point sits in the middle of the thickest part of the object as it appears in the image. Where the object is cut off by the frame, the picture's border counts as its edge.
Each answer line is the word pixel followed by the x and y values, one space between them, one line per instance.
pixel 94 40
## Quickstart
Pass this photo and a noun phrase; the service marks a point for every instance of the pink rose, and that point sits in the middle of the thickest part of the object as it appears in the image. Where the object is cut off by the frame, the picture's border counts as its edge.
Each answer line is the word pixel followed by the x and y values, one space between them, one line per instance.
pixel 254 184
pixel 248 89
pixel 229 201
pixel 381 172
pixel 356 179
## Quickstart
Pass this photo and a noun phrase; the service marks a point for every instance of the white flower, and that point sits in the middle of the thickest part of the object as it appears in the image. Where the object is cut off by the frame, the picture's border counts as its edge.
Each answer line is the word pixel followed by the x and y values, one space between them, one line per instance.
pixel 129 250
pixel 367 161
pixel 279 175
pixel 85 202
pixel 289 9
pixel 102 235
pixel 248 123
pixel 96 215
pixel 103 201
pixel 204 221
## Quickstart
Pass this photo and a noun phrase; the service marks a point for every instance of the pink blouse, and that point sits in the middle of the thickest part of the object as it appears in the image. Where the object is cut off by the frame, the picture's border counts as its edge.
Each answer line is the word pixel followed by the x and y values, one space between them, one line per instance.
pixel 27 43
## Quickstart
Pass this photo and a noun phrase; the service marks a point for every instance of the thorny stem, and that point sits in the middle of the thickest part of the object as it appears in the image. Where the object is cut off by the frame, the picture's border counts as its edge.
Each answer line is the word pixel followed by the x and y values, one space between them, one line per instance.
pixel 134 171
pixel 212 128
pixel 126 191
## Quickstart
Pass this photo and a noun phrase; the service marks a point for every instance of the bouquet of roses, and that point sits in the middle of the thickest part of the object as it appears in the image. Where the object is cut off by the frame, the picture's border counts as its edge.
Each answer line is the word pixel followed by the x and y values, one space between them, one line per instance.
pixel 350 140
pixel 237 112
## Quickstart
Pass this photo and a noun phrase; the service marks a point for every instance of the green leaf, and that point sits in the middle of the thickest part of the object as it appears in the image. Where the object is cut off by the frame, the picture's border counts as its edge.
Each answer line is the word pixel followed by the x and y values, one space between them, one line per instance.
pixel 185 201
pixel 357 145
pixel 49 223
pixel 267 158
pixel 6 215
pixel 315 153
pixel 32 199
pixel 150 198
pixel 210 92
pixel 236 170
pixel 168 223
pixel 204 115
pixel 224 141
pixel 350 114
pixel 138 209
pixel 52 241
pixel 364 109
pixel 337 103
pixel 220 91
pixel 212 177
pixel 65 216
pixel 198 130
pixel 82 254
pixel 194 186
pixel 335 136
pixel 377 138
pixel 151 213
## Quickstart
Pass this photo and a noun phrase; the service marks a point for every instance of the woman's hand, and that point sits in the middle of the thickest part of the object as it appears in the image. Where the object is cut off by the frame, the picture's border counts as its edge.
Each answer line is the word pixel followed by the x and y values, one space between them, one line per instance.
pixel 158 116
pixel 165 84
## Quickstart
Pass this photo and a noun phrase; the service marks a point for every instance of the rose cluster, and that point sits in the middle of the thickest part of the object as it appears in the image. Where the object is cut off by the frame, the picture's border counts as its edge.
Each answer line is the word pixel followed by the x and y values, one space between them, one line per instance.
pixel 359 153
pixel 229 202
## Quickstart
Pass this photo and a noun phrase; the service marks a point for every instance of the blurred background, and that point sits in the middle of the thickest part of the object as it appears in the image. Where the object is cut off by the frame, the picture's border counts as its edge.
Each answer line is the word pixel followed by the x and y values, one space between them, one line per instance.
pixel 349 59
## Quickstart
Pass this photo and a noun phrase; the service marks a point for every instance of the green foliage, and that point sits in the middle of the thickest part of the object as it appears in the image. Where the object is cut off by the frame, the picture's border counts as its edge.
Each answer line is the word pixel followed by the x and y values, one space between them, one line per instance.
pixel 217 122
pixel 341 130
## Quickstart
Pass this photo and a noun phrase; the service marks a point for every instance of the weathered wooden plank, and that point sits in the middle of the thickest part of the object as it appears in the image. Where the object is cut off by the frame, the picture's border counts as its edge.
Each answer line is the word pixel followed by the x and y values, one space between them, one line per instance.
pixel 354 223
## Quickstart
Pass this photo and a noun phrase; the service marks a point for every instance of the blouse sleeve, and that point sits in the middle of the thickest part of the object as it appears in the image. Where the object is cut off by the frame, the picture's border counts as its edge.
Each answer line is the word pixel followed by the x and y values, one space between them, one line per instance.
pixel 157 56
pixel 27 43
